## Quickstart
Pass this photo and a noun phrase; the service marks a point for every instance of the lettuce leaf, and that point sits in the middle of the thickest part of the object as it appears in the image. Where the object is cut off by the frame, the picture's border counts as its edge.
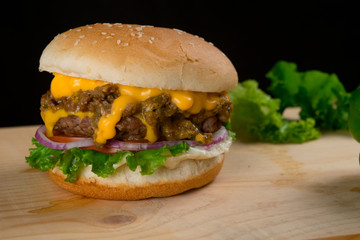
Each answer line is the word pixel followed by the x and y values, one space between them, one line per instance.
pixel 73 160
pixel 256 117
pixel 354 114
pixel 43 158
pixel 320 95
pixel 152 159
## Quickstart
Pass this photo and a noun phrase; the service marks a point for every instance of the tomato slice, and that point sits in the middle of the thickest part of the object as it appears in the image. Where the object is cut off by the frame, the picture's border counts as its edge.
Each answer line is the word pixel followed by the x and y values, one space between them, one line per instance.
pixel 103 149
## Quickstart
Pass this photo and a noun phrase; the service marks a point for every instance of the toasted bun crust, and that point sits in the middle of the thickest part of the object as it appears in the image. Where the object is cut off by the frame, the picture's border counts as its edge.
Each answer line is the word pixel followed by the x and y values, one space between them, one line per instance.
pixel 141 56
pixel 163 183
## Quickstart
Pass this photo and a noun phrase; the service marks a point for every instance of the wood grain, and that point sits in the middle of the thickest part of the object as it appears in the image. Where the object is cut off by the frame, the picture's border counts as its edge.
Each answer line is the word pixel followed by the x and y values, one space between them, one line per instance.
pixel 264 191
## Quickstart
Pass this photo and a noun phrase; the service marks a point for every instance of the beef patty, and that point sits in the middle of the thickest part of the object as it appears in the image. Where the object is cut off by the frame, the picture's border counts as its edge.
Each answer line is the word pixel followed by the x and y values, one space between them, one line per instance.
pixel 169 122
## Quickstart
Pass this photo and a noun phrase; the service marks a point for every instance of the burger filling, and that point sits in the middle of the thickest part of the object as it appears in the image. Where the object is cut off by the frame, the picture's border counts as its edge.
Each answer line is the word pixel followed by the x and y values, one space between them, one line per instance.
pixel 88 108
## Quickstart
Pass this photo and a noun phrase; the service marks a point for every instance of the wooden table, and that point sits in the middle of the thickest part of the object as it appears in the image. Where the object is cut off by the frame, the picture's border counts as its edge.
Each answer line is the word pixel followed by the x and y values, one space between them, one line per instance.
pixel 264 191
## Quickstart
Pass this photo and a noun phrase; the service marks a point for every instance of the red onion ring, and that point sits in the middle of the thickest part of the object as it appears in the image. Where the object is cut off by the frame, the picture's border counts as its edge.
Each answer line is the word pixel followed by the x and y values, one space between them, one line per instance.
pixel 218 136
pixel 45 141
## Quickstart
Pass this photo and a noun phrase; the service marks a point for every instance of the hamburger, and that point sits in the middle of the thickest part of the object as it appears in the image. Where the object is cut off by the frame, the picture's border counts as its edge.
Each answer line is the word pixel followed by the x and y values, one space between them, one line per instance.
pixel 133 111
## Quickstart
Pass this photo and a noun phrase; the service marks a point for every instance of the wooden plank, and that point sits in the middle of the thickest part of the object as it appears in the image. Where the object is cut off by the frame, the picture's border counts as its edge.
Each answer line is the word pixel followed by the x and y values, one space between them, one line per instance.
pixel 264 191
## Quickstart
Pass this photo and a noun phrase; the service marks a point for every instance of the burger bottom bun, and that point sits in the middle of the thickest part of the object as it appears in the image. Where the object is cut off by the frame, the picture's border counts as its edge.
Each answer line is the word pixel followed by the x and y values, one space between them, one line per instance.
pixel 189 174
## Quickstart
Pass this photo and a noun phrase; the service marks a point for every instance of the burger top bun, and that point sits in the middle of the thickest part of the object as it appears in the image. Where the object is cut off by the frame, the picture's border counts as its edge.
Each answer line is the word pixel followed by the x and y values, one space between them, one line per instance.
pixel 141 56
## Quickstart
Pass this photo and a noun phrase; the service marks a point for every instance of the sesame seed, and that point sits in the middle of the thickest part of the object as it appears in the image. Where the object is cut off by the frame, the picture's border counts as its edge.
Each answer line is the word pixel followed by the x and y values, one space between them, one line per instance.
pixel 94 42
pixel 139 28
pixel 140 34
pixel 152 38
pixel 76 42
pixel 108 24
pixel 129 26
pixel 150 41
pixel 89 27
pixel 103 33
pixel 112 34
pixel 126 44
pixel 82 36
pixel 132 34
pixel 78 30
pixel 118 41
pixel 107 37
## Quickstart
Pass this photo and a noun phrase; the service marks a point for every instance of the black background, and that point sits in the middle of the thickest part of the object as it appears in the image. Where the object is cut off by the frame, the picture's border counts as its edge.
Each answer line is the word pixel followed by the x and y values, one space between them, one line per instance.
pixel 321 35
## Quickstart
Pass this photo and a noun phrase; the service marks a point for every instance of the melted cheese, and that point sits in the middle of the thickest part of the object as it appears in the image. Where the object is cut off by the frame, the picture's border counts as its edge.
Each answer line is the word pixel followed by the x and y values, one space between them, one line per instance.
pixel 106 126
pixel 65 86
pixel 140 94
pixel 150 131
pixel 199 138
pixel 192 102
pixel 183 99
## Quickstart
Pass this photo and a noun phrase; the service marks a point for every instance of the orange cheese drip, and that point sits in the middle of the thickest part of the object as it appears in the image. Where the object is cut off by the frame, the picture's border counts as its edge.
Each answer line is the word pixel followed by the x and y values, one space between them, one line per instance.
pixel 65 86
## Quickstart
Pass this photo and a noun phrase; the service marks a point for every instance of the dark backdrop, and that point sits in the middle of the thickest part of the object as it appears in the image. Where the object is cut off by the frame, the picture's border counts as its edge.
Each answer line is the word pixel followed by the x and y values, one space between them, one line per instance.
pixel 321 35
